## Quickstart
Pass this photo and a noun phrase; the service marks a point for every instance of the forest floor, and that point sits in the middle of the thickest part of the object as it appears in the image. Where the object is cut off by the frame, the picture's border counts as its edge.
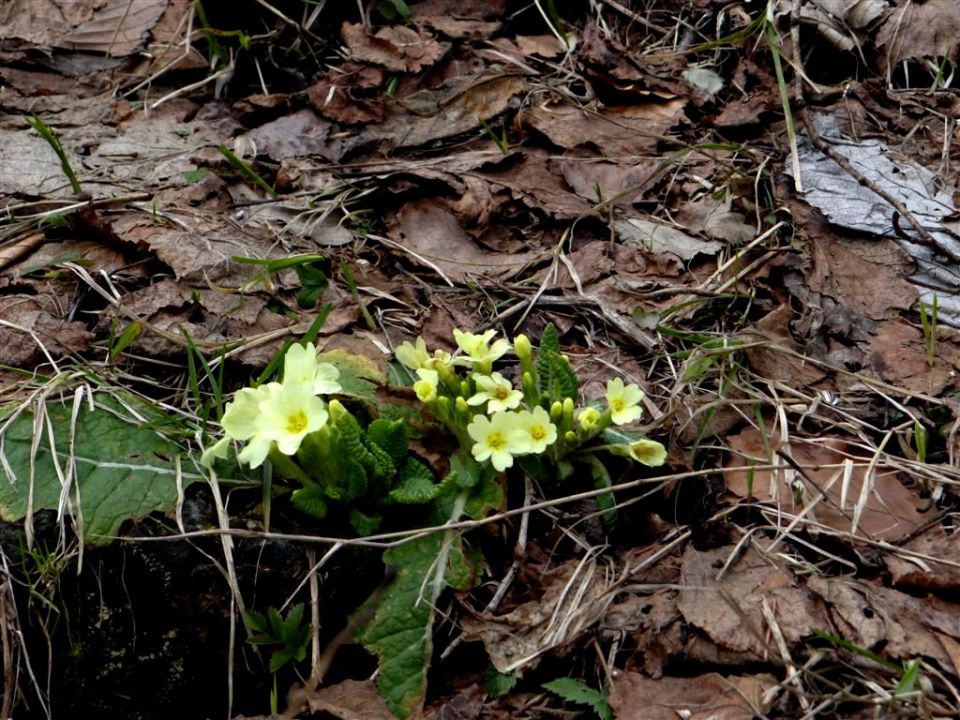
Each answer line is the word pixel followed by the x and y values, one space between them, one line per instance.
pixel 749 211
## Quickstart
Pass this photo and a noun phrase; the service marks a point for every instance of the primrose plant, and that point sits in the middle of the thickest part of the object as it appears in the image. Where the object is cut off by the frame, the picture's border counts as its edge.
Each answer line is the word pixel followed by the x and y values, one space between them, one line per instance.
pixel 525 415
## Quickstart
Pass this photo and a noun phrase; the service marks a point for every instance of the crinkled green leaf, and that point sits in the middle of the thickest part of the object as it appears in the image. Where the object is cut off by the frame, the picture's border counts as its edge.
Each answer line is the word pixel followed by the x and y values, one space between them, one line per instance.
pixel 359 377
pixel 392 436
pixel 311 500
pixel 364 523
pixel 558 379
pixel 400 633
pixel 123 471
pixel 417 484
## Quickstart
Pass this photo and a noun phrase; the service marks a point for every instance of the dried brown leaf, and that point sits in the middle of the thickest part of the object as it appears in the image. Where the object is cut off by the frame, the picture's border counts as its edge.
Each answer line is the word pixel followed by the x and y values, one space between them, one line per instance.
pixel 889 511
pixel 704 697
pixel 573 597
pixel 898 354
pixel 617 132
pixel 41 316
pixel 916 30
pixel 434 236
pixel 397 48
pixel 928 574
pixel 350 700
pixel 728 609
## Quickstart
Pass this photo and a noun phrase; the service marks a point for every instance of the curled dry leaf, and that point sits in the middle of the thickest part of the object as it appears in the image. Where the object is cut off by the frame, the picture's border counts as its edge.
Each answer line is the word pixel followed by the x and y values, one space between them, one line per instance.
pixel 397 48
pixel 18 348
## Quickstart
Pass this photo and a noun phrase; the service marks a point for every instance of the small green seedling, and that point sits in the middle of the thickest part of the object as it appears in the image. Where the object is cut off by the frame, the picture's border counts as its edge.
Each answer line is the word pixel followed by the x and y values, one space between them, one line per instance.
pixel 288 636
pixel 44 131
pixel 928 322
pixel 500 140
pixel 577 692
pixel 248 172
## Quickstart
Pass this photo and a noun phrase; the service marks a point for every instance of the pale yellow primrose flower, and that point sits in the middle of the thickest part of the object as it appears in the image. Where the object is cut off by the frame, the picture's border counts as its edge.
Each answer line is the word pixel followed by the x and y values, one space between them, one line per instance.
pixel 240 416
pixel 287 415
pixel 413 356
pixel 416 356
pixel 497 392
pixel 497 439
pixel 219 450
pixel 478 348
pixel 588 418
pixel 648 452
pixel 538 429
pixel 624 401
pixel 300 367
pixel 426 386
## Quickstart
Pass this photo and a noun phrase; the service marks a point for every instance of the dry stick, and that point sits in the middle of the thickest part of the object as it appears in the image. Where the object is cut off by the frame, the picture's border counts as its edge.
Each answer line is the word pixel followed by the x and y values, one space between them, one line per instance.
pixel 518 552
pixel 923 236
pixel 9 673
pixel 636 17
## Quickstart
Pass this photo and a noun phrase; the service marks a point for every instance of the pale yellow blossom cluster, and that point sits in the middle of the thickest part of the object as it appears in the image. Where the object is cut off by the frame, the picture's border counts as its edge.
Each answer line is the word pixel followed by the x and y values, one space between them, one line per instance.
pixel 278 414
pixel 503 420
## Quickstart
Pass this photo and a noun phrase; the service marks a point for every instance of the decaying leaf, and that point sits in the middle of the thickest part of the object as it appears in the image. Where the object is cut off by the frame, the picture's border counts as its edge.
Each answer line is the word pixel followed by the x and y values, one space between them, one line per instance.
pixel 572 599
pixel 915 30
pixel 395 47
pixel 898 354
pixel 704 697
pixel 434 238
pixel 350 700
pixel 839 487
pixel 658 237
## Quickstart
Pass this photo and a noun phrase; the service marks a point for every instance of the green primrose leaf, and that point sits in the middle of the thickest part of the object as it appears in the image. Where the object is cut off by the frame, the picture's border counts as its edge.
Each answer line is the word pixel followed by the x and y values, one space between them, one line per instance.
pixel 311 500
pixel 392 436
pixel 122 470
pixel 365 523
pixel 359 376
pixel 401 631
pixel 557 378
pixel 416 486
pixel 313 281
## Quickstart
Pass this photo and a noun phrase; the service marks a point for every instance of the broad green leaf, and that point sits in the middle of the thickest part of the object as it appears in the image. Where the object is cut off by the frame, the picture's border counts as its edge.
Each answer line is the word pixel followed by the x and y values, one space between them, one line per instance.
pixel 401 631
pixel 359 377
pixel 122 470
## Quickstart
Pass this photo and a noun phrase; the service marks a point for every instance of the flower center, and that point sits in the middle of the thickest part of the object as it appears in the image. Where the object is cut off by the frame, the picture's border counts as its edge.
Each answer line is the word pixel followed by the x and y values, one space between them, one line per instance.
pixel 501 393
pixel 297 423
pixel 617 404
pixel 496 441
pixel 537 432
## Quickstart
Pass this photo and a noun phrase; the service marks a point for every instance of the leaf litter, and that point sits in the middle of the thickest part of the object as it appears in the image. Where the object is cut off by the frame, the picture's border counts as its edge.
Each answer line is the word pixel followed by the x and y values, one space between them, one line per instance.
pixel 486 165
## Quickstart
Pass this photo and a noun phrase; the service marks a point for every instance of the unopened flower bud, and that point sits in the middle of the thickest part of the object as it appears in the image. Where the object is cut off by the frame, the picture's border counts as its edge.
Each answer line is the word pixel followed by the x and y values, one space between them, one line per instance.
pixel 521 345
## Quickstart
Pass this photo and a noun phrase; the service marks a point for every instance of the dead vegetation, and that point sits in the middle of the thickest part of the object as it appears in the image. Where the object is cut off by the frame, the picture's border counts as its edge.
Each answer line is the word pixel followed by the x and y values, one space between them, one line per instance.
pixel 749 211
